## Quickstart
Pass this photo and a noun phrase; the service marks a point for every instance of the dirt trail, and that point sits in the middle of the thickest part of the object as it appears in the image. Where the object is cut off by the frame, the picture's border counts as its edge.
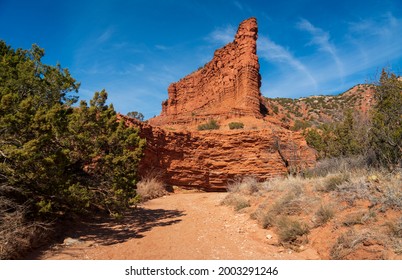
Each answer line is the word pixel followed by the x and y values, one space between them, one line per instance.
pixel 178 226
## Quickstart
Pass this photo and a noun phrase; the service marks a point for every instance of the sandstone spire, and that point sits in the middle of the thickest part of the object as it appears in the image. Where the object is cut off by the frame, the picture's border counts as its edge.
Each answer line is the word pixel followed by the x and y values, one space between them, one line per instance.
pixel 227 86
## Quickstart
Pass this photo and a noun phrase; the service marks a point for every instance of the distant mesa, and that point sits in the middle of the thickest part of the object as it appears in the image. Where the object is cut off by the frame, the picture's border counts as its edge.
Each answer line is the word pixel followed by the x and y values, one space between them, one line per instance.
pixel 226 87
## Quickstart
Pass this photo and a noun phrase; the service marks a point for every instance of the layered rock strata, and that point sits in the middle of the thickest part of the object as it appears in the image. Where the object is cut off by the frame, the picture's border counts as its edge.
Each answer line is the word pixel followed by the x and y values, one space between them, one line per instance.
pixel 211 160
pixel 227 86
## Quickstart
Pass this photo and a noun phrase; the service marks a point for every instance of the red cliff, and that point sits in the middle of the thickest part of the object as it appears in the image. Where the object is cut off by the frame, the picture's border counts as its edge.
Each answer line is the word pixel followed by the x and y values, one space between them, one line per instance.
pixel 227 86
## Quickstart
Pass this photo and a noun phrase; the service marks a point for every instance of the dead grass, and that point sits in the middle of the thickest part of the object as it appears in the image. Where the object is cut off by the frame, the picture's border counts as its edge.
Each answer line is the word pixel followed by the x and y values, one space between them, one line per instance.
pixel 395 228
pixel 356 188
pixel 330 182
pixel 150 187
pixel 323 215
pixel 17 235
pixel 348 244
pixel 338 165
pixel 291 231
pixel 360 201
pixel 237 201
pixel 392 189
pixel 247 185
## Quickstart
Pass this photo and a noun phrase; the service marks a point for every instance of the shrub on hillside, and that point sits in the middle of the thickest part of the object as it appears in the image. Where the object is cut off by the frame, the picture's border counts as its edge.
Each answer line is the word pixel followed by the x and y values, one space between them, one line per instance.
pixel 323 215
pixel 211 125
pixel 236 125
pixel 352 240
pixel 290 230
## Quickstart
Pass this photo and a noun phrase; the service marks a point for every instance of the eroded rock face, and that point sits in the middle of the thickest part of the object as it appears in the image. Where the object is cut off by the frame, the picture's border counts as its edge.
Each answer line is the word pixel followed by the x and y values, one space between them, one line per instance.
pixel 210 160
pixel 227 86
pixel 225 89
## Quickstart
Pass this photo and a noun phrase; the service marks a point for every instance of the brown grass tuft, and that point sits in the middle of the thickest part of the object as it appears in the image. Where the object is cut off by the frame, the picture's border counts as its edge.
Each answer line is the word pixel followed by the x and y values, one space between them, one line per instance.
pixel 150 188
pixel 17 235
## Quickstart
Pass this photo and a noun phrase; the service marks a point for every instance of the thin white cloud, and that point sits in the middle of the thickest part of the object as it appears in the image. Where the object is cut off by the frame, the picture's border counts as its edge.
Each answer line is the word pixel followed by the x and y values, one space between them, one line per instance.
pixel 238 5
pixel 222 35
pixel 161 47
pixel 321 39
pixel 384 26
pixel 275 53
pixel 105 36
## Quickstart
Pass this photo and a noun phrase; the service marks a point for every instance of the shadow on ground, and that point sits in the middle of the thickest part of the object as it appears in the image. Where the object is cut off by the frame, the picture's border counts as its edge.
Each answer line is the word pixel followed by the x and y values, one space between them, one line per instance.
pixel 105 230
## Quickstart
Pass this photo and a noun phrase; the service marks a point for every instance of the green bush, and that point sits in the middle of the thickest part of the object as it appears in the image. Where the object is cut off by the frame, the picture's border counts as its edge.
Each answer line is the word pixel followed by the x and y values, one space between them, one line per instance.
pixel 236 125
pixel 211 125
pixel 55 158
pixel 386 132
pixel 299 125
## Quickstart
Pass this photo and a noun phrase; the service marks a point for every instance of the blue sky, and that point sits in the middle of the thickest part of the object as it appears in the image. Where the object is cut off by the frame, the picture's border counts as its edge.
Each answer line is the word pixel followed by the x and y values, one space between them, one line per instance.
pixel 135 49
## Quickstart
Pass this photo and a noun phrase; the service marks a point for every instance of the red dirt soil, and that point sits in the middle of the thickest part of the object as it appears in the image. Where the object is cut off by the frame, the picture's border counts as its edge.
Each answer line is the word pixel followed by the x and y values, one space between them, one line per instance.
pixel 191 226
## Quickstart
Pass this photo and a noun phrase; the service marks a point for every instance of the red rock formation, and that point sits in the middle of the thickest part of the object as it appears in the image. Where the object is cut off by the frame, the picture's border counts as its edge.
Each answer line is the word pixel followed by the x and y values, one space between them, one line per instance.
pixel 227 86
pixel 209 160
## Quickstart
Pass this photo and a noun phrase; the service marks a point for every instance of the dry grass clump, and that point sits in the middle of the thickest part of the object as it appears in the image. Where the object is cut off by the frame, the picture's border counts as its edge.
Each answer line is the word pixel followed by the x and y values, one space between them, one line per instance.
pixel 395 234
pixel 328 166
pixel 350 242
pixel 392 192
pixel 323 215
pixel 291 203
pixel 291 183
pixel 395 228
pixel 361 200
pixel 237 201
pixel 247 185
pixel 264 216
pixel 291 231
pixel 330 182
pixel 17 235
pixel 150 187
pixel 355 188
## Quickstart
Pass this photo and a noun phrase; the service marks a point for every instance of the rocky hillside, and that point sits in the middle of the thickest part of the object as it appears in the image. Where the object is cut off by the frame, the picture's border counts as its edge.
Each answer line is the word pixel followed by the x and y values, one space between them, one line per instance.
pixel 304 112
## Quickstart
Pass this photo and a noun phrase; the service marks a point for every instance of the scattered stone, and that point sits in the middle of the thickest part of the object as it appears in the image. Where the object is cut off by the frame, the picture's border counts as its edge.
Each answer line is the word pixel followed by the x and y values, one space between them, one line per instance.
pixel 71 241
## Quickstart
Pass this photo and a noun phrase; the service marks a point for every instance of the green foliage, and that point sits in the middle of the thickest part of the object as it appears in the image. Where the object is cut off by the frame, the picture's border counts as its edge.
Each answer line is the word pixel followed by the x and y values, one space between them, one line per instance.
pixel 275 109
pixel 300 125
pixel 57 159
pixel 211 125
pixel 236 125
pixel 345 138
pixel 386 132
pixel 136 115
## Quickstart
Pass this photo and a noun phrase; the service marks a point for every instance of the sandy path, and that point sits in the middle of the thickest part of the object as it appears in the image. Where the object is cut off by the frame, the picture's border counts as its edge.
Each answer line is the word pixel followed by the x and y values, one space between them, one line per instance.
pixel 178 226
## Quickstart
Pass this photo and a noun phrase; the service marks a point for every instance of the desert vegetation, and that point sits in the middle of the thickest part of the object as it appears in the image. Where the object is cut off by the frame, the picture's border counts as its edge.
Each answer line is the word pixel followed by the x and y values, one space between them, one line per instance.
pixel 349 205
pixel 57 160
pixel 236 125
pixel 340 208
pixel 210 125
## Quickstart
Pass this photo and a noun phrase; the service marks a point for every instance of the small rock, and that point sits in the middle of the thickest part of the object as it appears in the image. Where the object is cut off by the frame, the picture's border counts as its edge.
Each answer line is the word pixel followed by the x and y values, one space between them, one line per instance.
pixel 269 236
pixel 71 241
